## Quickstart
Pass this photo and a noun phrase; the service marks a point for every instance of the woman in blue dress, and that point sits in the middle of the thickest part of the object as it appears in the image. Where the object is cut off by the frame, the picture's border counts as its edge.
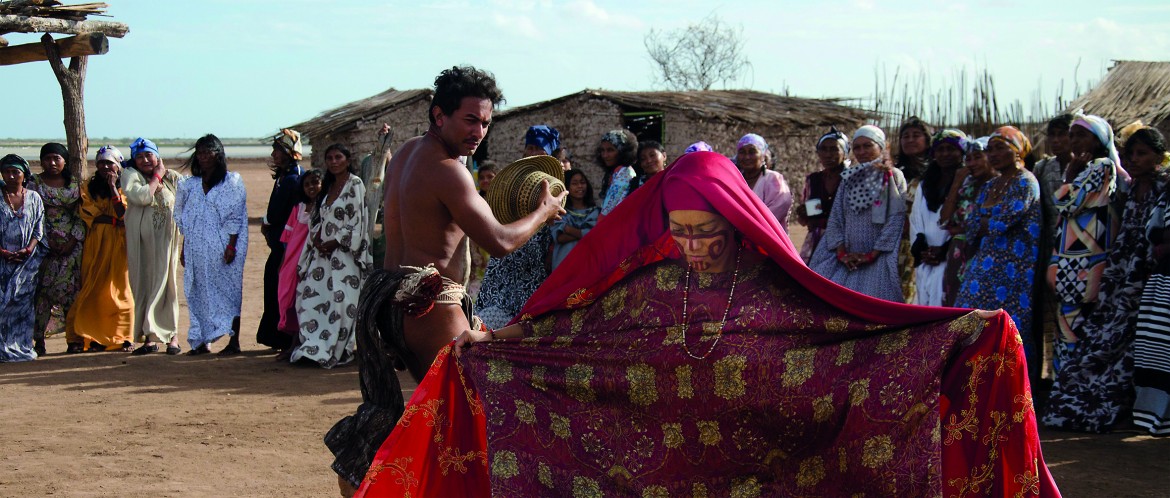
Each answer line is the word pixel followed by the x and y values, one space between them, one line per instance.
pixel 21 229
pixel 1005 229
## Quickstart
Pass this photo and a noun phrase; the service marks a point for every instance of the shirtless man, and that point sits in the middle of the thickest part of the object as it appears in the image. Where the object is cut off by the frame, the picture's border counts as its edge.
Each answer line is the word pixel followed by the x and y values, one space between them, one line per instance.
pixel 431 207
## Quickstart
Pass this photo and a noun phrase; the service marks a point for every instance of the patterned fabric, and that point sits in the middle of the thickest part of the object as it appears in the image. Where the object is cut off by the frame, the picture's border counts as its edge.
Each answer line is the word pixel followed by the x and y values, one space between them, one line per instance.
pixel 1151 348
pixel 509 281
pixel 18 281
pixel 619 188
pixel 859 233
pixel 814 188
pixel 581 219
pixel 214 290
pixel 330 285
pixel 104 308
pixel 1093 384
pixel 773 190
pixel 1087 227
pixel 152 246
pixel 289 141
pixel 60 273
pixel 960 252
pixel 1001 272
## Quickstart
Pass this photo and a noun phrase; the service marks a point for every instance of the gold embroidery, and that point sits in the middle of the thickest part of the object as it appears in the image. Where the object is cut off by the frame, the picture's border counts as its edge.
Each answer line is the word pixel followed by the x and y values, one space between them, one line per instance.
pixel 613 302
pixel 562 341
pixel 845 354
pixel 967 325
pixel 705 280
pixel 450 458
pixel 842 460
pixel 823 408
pixel 577 378
pixel 579 297
pixel 836 325
pixel 505 465
pixel 683 376
pixel 560 426
pixel 812 471
pixel 699 490
pixel 544 475
pixel 673 335
pixel 729 383
pixel 1029 481
pixel 576 321
pixel 619 473
pixel 584 487
pixel 404 478
pixel 858 392
pixel 544 326
pixel 878 450
pixel 499 371
pixel 891 394
pixel 746 487
pixel 672 436
pixel 538 373
pixel 655 492
pixel 709 432
pixel 892 343
pixel 643 388
pixel 525 412
pixel 1025 401
pixel 798 366
pixel 668 277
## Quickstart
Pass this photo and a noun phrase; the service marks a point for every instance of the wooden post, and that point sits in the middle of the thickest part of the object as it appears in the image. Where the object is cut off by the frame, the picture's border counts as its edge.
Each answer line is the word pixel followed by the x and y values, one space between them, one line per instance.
pixel 72 80
pixel 29 24
pixel 87 44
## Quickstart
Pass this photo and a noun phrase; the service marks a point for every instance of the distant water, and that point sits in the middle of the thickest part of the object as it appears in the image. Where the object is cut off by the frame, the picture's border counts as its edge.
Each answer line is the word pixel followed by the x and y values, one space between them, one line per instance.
pixel 168 152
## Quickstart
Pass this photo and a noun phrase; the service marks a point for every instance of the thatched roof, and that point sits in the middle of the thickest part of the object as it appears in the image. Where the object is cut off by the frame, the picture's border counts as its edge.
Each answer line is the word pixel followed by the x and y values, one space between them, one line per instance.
pixel 744 106
pixel 1131 90
pixel 349 115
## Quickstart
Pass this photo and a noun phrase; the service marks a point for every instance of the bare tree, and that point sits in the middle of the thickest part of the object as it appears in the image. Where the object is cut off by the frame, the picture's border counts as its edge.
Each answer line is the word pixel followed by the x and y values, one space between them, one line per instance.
pixel 698 56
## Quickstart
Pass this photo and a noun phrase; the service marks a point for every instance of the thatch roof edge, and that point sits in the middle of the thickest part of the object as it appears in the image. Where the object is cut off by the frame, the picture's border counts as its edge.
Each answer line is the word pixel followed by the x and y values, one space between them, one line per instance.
pixel 1130 90
pixel 347 116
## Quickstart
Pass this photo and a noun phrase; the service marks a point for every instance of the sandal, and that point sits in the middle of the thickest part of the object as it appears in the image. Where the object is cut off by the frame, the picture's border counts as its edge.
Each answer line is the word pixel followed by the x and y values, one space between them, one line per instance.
pixel 39 347
pixel 202 349
pixel 127 347
pixel 95 347
pixel 173 350
pixel 145 349
pixel 75 348
pixel 229 350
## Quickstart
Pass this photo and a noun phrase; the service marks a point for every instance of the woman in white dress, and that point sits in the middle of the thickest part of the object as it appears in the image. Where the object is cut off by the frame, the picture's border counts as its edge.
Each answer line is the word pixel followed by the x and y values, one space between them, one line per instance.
pixel 333 265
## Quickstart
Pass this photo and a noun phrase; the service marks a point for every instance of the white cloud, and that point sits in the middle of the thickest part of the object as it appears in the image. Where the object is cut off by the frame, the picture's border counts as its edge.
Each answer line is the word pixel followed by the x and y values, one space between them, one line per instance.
pixel 592 12
pixel 520 25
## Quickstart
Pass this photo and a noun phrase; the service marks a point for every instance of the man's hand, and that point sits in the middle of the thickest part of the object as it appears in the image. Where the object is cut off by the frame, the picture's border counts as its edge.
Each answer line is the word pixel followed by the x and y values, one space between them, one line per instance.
pixel 468 337
pixel 553 205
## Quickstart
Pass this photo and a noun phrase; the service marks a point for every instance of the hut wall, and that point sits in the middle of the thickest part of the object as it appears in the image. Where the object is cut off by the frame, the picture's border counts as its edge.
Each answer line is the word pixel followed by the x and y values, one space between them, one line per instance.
pixel 406 122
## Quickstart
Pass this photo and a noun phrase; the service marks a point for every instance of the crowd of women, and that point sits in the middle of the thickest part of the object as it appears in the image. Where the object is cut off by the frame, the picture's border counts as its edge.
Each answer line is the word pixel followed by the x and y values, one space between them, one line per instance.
pixel 1073 245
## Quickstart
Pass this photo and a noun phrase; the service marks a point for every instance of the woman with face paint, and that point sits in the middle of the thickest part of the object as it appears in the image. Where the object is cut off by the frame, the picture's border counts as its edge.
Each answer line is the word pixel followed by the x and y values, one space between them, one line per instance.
pixel 820 189
pixel 751 157
pixel 64 233
pixel 153 246
pixel 103 312
pixel 860 247
pixel 691 349
pixel 21 230
pixel 1093 385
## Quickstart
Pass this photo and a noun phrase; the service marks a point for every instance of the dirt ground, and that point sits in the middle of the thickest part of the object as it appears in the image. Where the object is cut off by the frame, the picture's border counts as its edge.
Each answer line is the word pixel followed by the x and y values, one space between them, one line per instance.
pixel 108 424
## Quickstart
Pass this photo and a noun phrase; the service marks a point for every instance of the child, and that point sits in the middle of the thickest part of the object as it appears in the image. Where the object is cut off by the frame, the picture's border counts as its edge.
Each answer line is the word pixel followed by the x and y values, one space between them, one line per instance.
pixel 296 231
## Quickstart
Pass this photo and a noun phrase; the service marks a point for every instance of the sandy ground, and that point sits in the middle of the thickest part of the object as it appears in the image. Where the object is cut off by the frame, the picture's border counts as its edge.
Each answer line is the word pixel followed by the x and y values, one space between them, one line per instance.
pixel 108 424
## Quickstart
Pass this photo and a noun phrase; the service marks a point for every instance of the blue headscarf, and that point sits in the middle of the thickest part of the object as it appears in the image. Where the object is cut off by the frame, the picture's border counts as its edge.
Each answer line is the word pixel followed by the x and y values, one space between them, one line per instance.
pixel 544 136
pixel 141 145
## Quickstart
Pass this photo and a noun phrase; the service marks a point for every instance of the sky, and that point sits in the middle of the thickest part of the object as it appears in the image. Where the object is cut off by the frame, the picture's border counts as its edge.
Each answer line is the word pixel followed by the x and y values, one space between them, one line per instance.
pixel 246 68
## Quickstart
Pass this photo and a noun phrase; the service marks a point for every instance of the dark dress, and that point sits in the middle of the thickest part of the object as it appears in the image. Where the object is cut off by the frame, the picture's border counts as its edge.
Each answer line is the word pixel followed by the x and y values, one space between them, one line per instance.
pixel 284 197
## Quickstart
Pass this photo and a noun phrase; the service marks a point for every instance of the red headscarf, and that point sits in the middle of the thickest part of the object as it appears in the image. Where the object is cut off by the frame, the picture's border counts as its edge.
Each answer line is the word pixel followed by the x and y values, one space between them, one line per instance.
pixel 636 233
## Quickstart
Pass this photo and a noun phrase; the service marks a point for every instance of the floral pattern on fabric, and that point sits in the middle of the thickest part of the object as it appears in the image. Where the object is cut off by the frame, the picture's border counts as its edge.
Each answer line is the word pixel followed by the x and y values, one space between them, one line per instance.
pixel 619 188
pixel 60 274
pixel 18 281
pixel 509 281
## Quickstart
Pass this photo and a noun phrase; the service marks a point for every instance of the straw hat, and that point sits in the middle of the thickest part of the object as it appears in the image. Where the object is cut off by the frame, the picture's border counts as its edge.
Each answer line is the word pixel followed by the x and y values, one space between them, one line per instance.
pixel 515 191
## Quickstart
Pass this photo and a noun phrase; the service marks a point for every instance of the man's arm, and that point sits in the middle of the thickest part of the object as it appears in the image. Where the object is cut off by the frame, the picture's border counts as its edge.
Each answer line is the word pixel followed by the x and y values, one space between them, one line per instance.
pixel 472 213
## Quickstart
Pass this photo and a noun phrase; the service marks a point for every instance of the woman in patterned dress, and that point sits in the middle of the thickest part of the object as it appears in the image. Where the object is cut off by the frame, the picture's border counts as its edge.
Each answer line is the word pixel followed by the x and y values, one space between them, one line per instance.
pixel 1151 347
pixel 1004 226
pixel 60 277
pixel 21 230
pixel 212 213
pixel 912 159
pixel 969 182
pixel 1095 380
pixel 153 245
pixel 820 188
pixel 333 265
pixel 617 154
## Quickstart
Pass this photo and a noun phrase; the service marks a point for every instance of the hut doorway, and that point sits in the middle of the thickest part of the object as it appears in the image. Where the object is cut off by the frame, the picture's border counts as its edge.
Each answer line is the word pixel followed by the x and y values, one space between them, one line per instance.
pixel 646 125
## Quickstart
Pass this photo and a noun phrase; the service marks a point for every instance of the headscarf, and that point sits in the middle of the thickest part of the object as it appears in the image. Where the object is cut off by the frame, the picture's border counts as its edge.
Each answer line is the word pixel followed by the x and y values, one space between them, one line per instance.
pixel 1101 129
pixel 976 145
pixel 681 196
pixel 617 138
pixel 290 142
pixel 141 145
pixel 840 138
pixel 17 161
pixel 873 133
pixel 1014 138
pixel 950 136
pixel 752 139
pixel 110 153
pixel 637 233
pixel 699 146
pixel 54 148
pixel 543 136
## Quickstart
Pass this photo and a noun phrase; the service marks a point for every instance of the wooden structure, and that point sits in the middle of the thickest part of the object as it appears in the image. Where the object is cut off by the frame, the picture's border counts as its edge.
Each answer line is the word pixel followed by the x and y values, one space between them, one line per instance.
pixel 1131 90
pixel 356 124
pixel 791 125
pixel 50 16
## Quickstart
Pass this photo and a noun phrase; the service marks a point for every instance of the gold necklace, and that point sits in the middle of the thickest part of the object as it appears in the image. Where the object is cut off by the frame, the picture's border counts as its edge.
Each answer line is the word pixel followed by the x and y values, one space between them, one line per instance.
pixel 686 324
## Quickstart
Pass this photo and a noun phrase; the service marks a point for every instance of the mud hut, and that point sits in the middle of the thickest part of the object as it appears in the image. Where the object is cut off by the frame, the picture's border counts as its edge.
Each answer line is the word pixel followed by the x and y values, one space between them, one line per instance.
pixel 1131 90
pixel 791 125
pixel 356 124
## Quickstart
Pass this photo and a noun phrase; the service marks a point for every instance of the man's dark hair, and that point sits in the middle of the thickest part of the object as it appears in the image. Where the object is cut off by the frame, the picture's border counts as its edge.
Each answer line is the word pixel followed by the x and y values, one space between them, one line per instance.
pixel 650 144
pixel 1060 122
pixel 486 166
pixel 462 81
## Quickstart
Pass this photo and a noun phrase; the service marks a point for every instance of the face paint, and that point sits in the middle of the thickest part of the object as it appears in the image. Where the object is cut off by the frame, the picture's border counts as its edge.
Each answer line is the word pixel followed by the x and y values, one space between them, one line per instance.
pixel 702 250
